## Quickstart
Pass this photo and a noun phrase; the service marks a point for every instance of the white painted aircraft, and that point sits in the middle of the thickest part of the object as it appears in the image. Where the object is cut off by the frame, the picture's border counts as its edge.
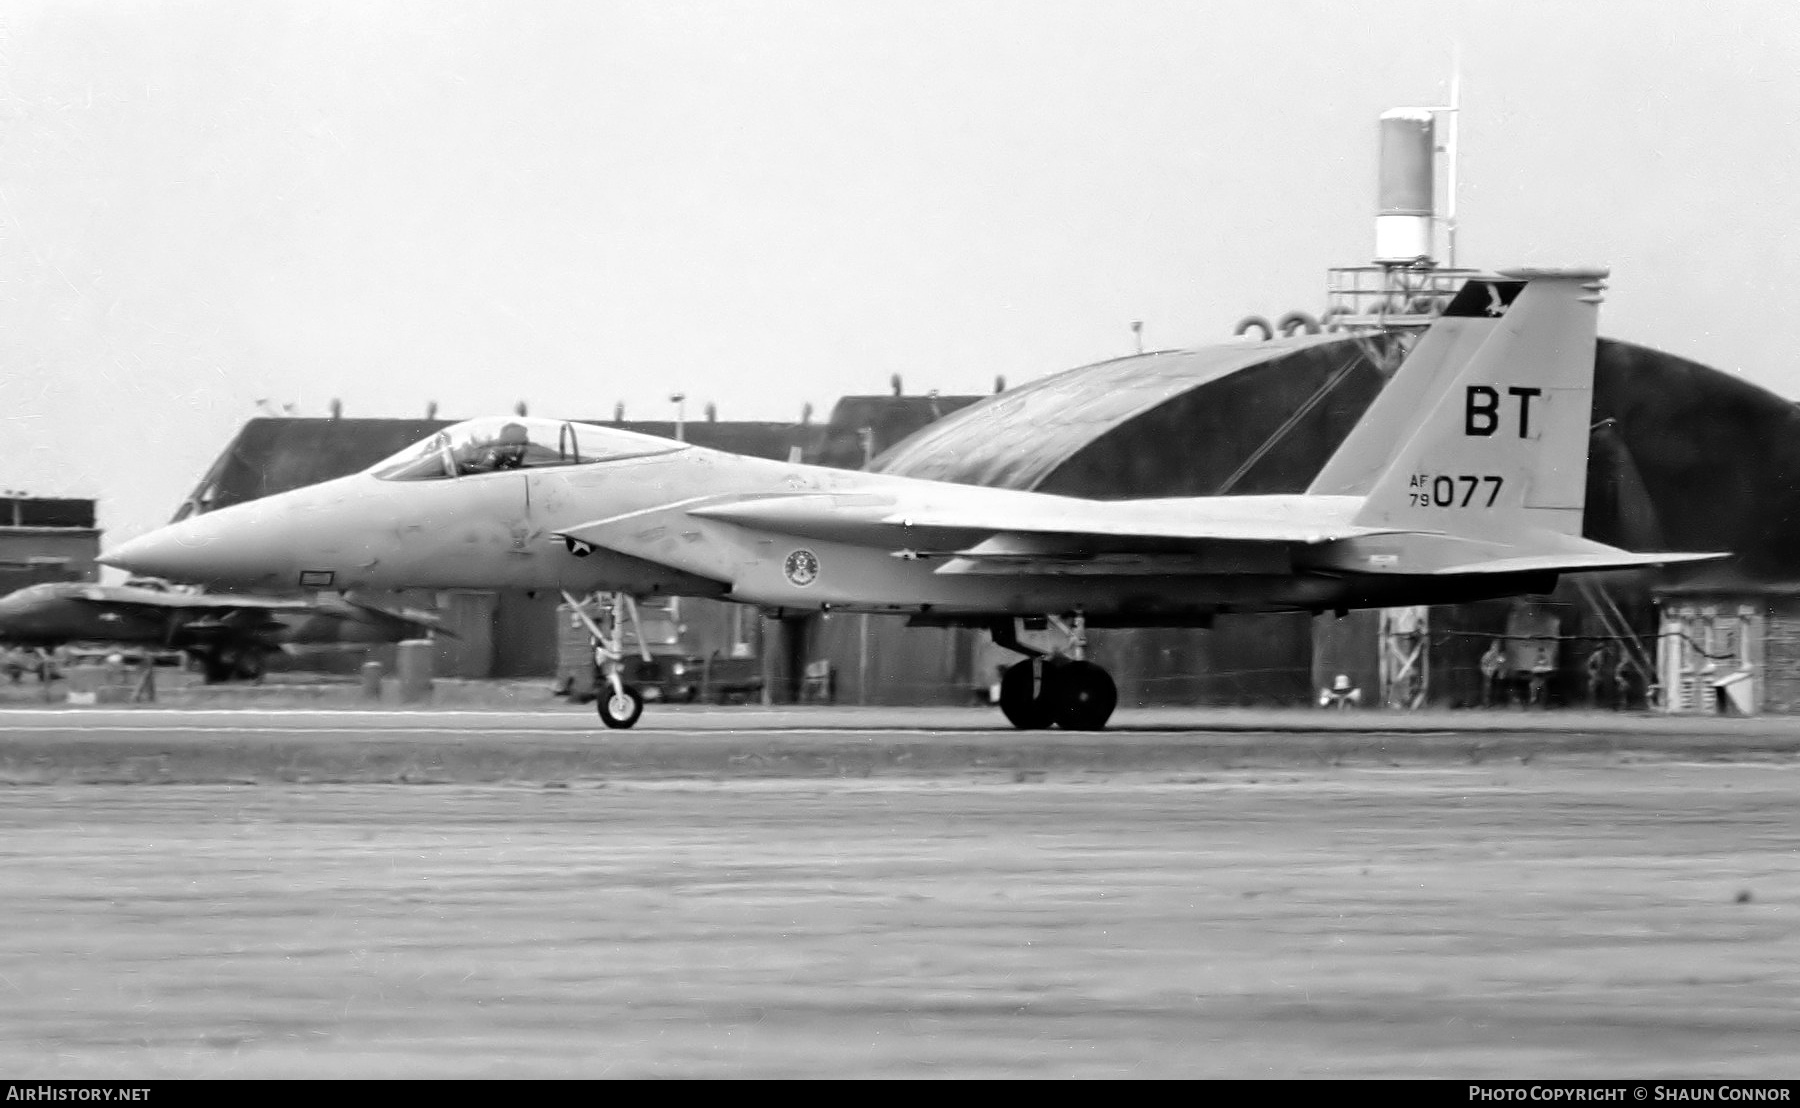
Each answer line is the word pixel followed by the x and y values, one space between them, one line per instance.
pixel 1464 480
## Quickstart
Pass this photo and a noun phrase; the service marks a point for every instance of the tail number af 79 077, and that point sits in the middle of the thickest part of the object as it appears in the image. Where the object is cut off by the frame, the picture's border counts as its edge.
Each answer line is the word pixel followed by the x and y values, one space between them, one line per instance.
pixel 1454 490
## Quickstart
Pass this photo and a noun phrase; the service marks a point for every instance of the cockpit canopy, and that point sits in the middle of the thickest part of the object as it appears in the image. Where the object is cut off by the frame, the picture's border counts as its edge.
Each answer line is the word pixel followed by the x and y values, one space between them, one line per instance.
pixel 499 443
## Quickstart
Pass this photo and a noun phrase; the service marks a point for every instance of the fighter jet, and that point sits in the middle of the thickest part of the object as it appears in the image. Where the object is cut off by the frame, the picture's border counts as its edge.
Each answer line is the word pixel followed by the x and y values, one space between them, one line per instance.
pixel 230 636
pixel 1465 480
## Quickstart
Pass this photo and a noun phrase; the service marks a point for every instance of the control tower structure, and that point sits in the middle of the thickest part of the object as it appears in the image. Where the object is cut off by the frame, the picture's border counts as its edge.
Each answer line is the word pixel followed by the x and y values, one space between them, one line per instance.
pixel 1413 273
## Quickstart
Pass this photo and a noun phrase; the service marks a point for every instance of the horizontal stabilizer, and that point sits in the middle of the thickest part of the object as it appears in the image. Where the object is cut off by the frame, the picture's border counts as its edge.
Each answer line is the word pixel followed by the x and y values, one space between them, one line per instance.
pixel 1575 563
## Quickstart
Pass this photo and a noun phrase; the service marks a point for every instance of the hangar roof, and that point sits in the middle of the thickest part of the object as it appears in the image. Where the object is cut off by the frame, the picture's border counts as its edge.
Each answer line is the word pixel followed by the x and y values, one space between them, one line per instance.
pixel 1682 457
pixel 1018 438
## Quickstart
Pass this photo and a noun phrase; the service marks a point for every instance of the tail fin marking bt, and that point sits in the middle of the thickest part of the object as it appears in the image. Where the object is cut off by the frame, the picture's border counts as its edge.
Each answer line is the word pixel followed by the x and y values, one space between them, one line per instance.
pixel 1504 447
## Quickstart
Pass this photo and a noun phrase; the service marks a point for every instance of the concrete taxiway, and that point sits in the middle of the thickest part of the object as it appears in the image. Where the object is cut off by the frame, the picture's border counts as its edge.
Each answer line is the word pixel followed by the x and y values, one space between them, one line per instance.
pixel 461 894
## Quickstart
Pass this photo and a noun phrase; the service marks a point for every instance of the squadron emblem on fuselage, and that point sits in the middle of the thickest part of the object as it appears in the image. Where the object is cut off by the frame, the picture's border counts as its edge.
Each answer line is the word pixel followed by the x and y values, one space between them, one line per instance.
pixel 801 568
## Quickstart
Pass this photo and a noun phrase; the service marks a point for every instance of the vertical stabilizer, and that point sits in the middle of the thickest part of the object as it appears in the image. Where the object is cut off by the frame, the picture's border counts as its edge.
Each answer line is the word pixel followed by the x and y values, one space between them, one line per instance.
pixel 1502 449
pixel 1426 372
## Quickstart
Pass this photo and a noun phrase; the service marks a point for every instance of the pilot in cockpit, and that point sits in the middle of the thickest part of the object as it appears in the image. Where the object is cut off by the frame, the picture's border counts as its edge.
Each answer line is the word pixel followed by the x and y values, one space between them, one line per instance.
pixel 506 451
pixel 480 446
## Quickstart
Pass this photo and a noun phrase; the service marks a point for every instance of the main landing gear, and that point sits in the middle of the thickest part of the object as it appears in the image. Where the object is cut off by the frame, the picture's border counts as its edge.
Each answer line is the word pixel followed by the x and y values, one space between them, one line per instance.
pixel 1065 690
pixel 619 704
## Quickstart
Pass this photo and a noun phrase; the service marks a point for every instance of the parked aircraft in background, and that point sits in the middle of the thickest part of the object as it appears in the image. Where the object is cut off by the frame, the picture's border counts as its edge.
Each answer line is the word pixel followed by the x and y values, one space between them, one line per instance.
pixel 230 636
pixel 1465 480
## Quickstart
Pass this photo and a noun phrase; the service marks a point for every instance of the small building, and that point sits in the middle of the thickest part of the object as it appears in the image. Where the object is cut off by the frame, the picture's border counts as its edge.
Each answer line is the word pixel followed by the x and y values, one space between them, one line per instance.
pixel 1729 650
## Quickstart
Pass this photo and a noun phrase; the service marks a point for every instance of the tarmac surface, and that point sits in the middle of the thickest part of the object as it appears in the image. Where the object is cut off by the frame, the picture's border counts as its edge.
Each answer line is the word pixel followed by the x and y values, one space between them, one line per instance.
pixel 853 893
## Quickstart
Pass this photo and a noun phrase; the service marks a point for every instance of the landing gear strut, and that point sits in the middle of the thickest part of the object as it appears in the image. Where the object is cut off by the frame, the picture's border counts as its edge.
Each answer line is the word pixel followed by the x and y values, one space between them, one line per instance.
pixel 619 704
pixel 1066 690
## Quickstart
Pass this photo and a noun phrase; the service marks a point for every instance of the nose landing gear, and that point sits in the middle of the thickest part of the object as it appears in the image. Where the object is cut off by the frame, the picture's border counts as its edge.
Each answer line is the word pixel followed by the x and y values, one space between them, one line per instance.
pixel 1066 690
pixel 619 704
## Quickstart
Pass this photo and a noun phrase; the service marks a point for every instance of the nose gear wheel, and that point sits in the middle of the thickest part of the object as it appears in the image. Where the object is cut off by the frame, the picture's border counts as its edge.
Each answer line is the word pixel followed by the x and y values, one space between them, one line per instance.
pixel 622 708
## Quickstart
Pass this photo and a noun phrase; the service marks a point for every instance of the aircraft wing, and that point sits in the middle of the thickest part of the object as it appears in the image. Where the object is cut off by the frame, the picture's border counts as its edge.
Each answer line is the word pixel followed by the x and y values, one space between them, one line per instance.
pixel 998 532
pixel 975 514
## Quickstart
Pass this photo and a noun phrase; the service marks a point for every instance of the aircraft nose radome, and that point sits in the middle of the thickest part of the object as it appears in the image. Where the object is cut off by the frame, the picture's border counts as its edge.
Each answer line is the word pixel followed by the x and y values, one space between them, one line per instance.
pixel 161 553
pixel 197 551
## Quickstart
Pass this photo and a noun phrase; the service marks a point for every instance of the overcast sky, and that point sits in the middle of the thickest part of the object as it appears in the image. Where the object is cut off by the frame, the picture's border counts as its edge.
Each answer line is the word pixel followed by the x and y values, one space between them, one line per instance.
pixel 208 204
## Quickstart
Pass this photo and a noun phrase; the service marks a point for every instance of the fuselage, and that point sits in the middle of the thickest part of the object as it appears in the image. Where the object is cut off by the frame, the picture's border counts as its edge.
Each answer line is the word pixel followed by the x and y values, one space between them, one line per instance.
pixel 411 523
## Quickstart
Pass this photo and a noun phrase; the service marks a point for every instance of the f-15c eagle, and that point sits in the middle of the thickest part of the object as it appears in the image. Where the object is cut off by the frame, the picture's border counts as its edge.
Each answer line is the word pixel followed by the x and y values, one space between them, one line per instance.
pixel 1464 480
